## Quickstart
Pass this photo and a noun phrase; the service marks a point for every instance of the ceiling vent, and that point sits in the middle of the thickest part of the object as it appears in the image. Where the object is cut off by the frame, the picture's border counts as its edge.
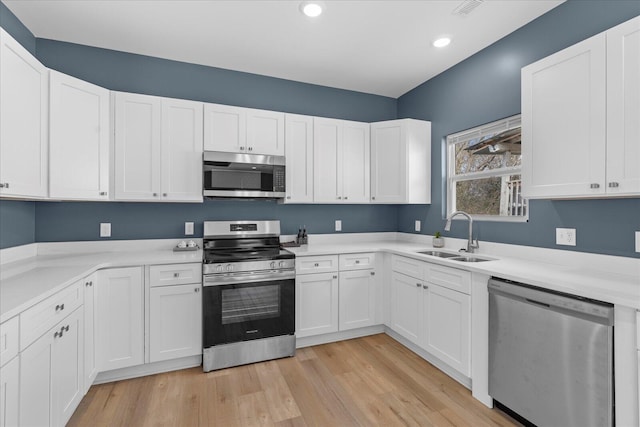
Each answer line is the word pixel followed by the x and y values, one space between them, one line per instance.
pixel 466 7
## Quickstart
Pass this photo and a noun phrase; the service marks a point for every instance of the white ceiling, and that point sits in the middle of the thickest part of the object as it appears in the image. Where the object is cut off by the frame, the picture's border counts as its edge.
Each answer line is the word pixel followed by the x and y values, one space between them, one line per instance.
pixel 380 47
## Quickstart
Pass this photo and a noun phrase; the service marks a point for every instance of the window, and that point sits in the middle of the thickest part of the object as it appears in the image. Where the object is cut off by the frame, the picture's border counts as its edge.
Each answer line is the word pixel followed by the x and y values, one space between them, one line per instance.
pixel 483 172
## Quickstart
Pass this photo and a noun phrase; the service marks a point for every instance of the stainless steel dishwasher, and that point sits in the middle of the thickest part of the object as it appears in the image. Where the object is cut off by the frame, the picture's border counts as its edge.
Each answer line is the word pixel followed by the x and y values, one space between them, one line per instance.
pixel 550 355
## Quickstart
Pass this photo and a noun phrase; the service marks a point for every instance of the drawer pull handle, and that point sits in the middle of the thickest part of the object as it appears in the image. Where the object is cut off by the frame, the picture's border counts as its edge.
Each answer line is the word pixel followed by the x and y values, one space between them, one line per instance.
pixel 418 285
pixel 614 185
pixel 57 335
pixel 373 273
pixel 197 289
pixel 176 274
pixel 103 193
pixel 357 261
pixel 425 287
pixel 596 185
pixel 59 307
pixel 316 265
pixel 335 277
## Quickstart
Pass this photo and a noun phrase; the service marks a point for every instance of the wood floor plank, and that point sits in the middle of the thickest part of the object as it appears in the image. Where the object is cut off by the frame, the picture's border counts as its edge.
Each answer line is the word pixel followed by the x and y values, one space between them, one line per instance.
pixel 370 381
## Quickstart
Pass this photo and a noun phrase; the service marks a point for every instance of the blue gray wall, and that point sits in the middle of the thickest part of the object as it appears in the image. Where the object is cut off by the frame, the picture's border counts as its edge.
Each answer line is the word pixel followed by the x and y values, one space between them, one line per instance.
pixel 486 87
pixel 481 89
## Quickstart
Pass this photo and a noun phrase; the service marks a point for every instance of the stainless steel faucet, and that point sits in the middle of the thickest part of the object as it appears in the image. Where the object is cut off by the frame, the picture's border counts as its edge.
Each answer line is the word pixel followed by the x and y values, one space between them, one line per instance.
pixel 471 245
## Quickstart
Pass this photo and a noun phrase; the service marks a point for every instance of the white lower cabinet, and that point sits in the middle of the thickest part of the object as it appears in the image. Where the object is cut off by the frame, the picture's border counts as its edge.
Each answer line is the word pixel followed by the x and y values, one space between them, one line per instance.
pixel 90 330
pixel 9 390
pixel 406 292
pixel 357 299
pixel 445 326
pixel 120 318
pixel 175 324
pixel 51 376
pixel 433 310
pixel 316 304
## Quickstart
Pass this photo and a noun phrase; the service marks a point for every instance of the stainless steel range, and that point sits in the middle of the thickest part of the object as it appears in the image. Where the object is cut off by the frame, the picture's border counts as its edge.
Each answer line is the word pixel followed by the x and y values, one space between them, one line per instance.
pixel 248 295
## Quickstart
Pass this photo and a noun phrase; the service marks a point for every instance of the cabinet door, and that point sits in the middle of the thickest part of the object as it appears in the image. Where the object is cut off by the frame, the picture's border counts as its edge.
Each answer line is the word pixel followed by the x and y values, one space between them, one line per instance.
pixel 563 122
pixel 137 147
pixel 299 158
pixel 67 367
pixel 446 328
pixel 353 163
pixel 35 381
pixel 623 108
pixel 357 299
pixel 406 300
pixel 9 391
pixel 327 137
pixel 90 331
pixel 388 163
pixel 181 168
pixel 24 124
pixel 316 304
pixel 120 318
pixel 225 128
pixel 175 321
pixel 78 139
pixel 265 132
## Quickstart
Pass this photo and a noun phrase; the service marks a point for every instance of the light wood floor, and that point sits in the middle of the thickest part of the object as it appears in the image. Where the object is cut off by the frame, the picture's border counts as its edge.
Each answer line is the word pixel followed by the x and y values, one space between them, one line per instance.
pixel 370 381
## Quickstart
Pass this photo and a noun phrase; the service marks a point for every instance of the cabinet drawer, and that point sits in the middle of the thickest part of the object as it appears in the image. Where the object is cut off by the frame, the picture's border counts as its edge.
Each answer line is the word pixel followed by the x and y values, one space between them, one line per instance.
pixel 316 264
pixel 9 338
pixel 408 266
pixel 175 274
pixel 357 261
pixel 452 278
pixel 43 316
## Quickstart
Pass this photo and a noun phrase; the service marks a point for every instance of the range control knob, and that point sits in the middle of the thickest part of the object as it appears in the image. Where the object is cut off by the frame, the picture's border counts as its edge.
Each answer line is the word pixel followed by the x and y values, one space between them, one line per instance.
pixel 272 264
pixel 218 268
pixel 229 267
pixel 281 264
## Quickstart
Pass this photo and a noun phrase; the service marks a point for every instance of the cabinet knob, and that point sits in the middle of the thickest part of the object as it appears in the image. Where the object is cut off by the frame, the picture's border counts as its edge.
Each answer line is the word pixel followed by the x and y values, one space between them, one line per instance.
pixel 418 285
pixel 357 261
pixel 4 185
pixel 289 197
pixel 345 197
pixel 250 148
pixel 242 148
pixel 164 194
pixel 176 274
pixel 197 290
pixel 373 197
pixel 103 193
pixel 57 334
pixel 614 185
pixel 316 265
pixel 91 283
pixel 425 287
pixel 86 284
pixel 373 273
pixel 339 198
pixel 595 185
pixel 59 307
pixel 155 194
pixel 335 277
pixel 66 328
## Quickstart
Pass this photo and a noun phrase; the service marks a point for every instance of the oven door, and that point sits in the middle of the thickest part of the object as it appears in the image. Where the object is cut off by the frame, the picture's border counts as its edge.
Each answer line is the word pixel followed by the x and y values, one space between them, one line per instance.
pixel 242 307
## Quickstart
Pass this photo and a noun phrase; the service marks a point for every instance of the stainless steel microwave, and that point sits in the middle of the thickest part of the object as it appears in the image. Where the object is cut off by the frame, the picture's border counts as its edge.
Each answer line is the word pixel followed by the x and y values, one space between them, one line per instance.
pixel 243 175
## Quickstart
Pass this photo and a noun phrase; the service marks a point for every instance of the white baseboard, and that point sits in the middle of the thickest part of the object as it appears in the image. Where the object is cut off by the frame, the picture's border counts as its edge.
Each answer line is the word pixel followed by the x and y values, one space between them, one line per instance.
pixel 148 369
pixel 338 336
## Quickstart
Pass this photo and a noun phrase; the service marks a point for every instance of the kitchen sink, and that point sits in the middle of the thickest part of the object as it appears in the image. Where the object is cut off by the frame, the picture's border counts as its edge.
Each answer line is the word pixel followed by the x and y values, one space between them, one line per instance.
pixel 470 259
pixel 439 254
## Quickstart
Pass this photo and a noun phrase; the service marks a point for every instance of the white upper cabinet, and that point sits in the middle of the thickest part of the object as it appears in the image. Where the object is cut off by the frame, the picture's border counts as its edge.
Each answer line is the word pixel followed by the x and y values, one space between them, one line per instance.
pixel 623 108
pixel 24 93
pixel 341 156
pixel 401 161
pixel 78 139
pixel 299 158
pixel 243 130
pixel 158 149
pixel 580 109
pixel 181 152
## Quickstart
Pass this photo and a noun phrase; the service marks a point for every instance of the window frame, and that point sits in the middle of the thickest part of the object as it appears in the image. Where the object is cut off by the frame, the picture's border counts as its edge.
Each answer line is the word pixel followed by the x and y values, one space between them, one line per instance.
pixel 452 178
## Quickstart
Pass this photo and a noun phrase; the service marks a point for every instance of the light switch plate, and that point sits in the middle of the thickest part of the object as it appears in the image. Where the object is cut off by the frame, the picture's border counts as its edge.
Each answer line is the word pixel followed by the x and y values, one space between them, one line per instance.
pixel 188 229
pixel 566 236
pixel 338 225
pixel 105 229
pixel 637 241
pixel 418 225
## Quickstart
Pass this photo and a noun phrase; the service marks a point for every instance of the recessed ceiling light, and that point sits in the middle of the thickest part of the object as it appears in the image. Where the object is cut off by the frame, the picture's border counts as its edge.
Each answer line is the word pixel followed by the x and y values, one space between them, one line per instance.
pixel 442 42
pixel 311 8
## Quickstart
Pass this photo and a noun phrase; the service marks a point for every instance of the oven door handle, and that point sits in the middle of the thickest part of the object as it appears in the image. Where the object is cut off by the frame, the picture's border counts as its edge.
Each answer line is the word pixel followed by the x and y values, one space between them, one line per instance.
pixel 247 277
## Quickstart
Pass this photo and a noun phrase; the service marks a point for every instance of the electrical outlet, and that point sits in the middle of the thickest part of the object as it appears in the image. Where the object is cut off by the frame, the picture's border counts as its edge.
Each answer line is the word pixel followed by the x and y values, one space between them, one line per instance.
pixel 188 229
pixel 637 241
pixel 338 225
pixel 105 229
pixel 418 225
pixel 566 236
